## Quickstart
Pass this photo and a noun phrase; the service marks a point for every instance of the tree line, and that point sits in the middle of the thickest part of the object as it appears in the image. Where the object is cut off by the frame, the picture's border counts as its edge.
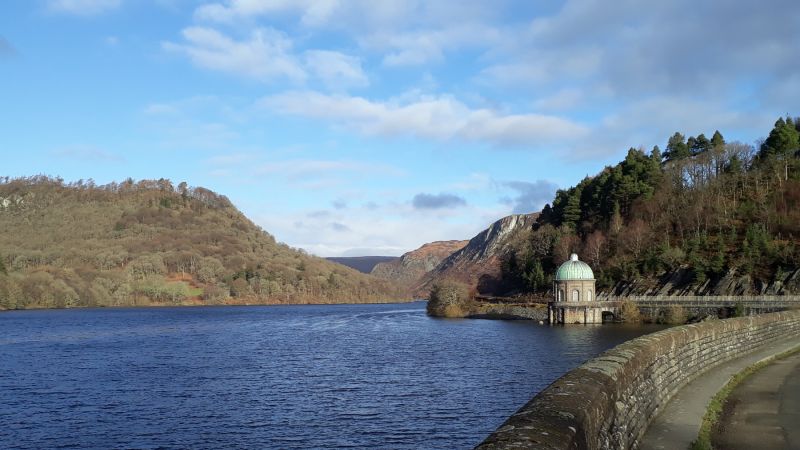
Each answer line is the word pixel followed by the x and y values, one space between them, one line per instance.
pixel 704 206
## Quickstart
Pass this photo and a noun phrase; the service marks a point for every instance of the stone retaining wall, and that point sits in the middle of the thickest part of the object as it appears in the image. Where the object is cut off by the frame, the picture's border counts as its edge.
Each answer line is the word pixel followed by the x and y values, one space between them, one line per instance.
pixel 513 312
pixel 609 401
pixel 680 299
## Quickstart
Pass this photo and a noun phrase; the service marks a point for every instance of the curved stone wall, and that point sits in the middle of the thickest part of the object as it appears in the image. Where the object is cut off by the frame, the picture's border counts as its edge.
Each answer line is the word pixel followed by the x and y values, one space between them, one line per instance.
pixel 609 401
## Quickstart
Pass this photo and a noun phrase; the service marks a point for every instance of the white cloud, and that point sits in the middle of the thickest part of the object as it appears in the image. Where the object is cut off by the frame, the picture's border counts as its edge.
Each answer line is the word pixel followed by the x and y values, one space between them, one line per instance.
pixel 639 49
pixel 437 117
pixel 386 230
pixel 536 67
pixel 313 11
pixel 351 14
pixel 417 47
pixel 335 69
pixel 265 55
pixel 268 55
pixel 560 100
pixel 405 32
pixel 82 7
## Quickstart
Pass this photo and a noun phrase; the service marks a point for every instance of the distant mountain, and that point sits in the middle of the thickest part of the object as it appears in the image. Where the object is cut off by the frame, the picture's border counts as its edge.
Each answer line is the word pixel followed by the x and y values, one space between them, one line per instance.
pixel 363 264
pixel 479 262
pixel 149 242
pixel 409 269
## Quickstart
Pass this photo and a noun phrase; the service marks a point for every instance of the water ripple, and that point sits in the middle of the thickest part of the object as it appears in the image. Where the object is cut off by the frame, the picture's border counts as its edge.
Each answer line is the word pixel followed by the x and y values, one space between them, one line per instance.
pixel 347 376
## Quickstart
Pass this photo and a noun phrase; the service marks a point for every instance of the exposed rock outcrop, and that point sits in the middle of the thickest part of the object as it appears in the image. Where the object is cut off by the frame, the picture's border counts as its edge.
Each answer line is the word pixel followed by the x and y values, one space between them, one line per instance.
pixel 479 262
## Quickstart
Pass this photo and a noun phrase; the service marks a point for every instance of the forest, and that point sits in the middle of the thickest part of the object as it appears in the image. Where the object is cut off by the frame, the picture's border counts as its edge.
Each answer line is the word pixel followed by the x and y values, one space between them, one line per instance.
pixel 152 243
pixel 704 207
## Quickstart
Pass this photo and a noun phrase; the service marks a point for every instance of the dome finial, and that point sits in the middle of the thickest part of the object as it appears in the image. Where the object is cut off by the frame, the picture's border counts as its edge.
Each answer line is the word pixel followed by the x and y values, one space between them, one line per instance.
pixel 574 269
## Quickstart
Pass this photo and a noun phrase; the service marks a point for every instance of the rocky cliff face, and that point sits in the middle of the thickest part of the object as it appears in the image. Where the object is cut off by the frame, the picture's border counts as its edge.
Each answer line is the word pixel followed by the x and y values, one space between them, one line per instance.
pixel 409 269
pixel 478 262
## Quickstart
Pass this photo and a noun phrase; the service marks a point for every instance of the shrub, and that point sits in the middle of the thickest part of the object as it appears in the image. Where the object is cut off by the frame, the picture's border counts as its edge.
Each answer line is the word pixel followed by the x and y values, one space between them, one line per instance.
pixel 239 288
pixel 10 293
pixel 449 299
pixel 215 294
pixel 147 265
pixel 629 312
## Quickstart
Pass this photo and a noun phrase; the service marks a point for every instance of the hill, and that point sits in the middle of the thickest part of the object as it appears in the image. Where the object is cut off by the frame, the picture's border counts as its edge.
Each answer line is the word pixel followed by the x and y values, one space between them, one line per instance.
pixel 706 216
pixel 148 242
pixel 363 264
pixel 411 267
pixel 479 263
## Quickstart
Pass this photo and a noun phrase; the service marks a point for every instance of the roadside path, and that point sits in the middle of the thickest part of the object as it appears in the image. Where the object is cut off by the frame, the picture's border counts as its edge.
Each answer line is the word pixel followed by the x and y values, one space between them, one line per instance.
pixel 764 410
pixel 679 422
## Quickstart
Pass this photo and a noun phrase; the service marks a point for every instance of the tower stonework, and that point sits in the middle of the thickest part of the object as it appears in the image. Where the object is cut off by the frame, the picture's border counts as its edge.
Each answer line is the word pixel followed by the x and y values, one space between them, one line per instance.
pixel 574 294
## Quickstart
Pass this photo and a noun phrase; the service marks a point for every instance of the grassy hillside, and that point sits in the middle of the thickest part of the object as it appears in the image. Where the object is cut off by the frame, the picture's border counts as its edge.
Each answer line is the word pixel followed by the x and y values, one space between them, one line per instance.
pixel 148 242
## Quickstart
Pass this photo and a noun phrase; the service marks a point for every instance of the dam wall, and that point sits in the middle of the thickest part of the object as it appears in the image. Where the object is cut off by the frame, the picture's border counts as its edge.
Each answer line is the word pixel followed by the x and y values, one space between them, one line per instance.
pixel 609 401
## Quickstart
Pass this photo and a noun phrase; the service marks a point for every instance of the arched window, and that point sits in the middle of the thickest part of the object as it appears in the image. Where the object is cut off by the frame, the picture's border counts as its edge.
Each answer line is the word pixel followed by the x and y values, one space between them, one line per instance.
pixel 589 295
pixel 560 295
pixel 576 296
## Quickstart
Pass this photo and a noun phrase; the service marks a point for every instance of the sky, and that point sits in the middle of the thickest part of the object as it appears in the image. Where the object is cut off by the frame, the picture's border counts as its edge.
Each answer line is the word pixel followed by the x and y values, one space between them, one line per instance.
pixel 363 127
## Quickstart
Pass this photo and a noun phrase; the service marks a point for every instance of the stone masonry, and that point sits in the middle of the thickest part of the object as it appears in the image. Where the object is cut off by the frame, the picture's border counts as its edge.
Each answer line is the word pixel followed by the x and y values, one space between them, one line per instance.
pixel 609 401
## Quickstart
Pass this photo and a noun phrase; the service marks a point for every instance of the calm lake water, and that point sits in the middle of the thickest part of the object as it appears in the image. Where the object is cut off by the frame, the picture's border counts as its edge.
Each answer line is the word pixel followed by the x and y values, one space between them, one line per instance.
pixel 344 376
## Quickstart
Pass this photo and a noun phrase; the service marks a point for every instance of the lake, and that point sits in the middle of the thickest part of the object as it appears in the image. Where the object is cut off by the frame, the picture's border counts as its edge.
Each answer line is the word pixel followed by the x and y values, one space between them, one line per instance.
pixel 333 376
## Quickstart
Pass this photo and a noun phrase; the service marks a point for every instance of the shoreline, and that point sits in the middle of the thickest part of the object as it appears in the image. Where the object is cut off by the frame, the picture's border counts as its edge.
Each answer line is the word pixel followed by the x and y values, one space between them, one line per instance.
pixel 157 306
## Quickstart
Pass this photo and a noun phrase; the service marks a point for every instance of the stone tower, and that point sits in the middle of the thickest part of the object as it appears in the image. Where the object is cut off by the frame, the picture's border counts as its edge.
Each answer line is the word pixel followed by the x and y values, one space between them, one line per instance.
pixel 574 294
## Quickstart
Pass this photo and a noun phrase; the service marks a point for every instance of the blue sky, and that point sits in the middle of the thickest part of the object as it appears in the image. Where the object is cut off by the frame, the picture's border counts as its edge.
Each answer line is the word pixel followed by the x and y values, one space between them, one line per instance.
pixel 371 127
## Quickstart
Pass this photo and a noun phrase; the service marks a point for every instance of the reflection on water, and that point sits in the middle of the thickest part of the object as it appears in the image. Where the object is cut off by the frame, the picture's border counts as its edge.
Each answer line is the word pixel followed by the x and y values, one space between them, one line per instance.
pixel 282 377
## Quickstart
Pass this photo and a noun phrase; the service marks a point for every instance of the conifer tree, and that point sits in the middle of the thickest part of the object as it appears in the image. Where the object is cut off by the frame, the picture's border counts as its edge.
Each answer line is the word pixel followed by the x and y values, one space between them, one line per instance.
pixel 781 147
pixel 700 144
pixel 572 211
pixel 676 148
pixel 717 141
pixel 783 140
pixel 655 154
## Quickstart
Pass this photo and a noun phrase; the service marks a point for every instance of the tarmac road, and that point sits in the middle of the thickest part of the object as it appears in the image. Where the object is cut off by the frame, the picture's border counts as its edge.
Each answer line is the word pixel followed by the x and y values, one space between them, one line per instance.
pixel 763 412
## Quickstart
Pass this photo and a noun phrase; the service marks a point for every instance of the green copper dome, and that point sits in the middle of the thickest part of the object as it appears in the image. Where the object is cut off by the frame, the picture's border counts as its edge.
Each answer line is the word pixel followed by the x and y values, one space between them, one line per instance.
pixel 574 270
